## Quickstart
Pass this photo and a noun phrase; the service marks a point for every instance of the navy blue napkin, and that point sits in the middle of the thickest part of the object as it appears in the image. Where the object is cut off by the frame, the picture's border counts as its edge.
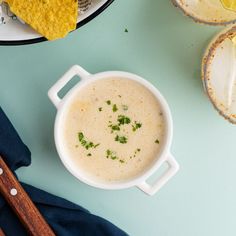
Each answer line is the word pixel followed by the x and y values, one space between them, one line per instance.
pixel 65 218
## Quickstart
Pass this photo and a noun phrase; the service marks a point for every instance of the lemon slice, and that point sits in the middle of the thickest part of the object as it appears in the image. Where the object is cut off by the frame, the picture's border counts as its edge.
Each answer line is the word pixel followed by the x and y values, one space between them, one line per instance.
pixel 229 4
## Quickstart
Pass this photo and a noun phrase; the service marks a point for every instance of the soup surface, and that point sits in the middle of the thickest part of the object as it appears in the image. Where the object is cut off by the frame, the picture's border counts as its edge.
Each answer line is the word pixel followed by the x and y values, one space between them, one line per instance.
pixel 114 129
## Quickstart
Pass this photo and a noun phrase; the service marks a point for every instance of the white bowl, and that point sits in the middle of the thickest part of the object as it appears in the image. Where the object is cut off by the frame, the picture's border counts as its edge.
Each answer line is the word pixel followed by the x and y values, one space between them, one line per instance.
pixel 62 105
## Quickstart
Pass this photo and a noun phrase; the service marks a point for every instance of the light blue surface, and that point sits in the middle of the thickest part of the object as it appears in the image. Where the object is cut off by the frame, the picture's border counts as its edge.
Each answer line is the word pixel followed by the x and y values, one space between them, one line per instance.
pixel 166 48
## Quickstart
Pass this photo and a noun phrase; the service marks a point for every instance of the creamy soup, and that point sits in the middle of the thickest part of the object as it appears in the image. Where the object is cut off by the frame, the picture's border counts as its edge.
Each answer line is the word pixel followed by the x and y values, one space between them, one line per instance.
pixel 114 129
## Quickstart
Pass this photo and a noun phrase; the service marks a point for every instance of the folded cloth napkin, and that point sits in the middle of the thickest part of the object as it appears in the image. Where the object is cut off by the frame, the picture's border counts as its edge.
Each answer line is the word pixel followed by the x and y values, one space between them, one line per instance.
pixel 65 218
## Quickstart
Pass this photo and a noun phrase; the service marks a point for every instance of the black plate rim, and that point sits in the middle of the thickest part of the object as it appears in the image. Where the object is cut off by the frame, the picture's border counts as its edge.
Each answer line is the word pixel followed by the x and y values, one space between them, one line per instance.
pixel 42 39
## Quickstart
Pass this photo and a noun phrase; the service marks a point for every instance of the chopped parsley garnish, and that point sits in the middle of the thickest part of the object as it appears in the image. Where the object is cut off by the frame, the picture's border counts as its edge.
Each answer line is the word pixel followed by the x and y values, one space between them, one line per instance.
pixel 111 154
pixel 121 139
pixel 125 107
pixel 136 126
pixel 80 136
pixel 96 145
pixel 123 120
pixel 89 145
pixel 114 108
pixel 85 143
pixel 115 127
pixel 126 30
pixel 118 125
pixel 157 141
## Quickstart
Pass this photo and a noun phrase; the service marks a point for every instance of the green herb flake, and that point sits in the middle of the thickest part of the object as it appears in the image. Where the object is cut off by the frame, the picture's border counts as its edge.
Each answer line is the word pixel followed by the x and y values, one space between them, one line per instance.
pixel 108 102
pixel 83 142
pixel 136 126
pixel 119 96
pixel 126 30
pixel 123 120
pixel 80 136
pixel 114 108
pixel 96 145
pixel 115 127
pixel 138 149
pixel 89 154
pixel 109 152
pixel 100 108
pixel 157 141
pixel 89 145
pixel 125 107
pixel 121 139
pixel 121 161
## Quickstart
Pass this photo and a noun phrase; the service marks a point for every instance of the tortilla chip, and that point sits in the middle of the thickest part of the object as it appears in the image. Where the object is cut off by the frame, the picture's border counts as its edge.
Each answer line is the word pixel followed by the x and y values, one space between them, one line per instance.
pixel 52 18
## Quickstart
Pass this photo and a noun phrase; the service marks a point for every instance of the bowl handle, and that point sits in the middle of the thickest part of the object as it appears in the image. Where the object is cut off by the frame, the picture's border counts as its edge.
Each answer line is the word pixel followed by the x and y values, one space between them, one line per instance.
pixel 173 168
pixel 55 89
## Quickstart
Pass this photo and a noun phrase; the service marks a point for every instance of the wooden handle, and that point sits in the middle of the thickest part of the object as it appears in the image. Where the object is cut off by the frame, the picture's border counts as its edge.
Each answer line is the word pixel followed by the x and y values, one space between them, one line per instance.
pixel 22 205
pixel 1 232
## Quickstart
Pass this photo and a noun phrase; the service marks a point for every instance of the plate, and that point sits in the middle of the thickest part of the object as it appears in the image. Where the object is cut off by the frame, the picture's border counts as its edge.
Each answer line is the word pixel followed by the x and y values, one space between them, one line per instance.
pixel 15 32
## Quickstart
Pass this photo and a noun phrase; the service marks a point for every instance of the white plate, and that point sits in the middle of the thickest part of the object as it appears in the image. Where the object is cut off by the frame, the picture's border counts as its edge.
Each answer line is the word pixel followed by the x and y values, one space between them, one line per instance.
pixel 14 32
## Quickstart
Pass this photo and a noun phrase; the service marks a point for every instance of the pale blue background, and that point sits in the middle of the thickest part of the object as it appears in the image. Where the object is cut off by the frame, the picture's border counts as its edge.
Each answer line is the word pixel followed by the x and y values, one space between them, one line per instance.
pixel 166 48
